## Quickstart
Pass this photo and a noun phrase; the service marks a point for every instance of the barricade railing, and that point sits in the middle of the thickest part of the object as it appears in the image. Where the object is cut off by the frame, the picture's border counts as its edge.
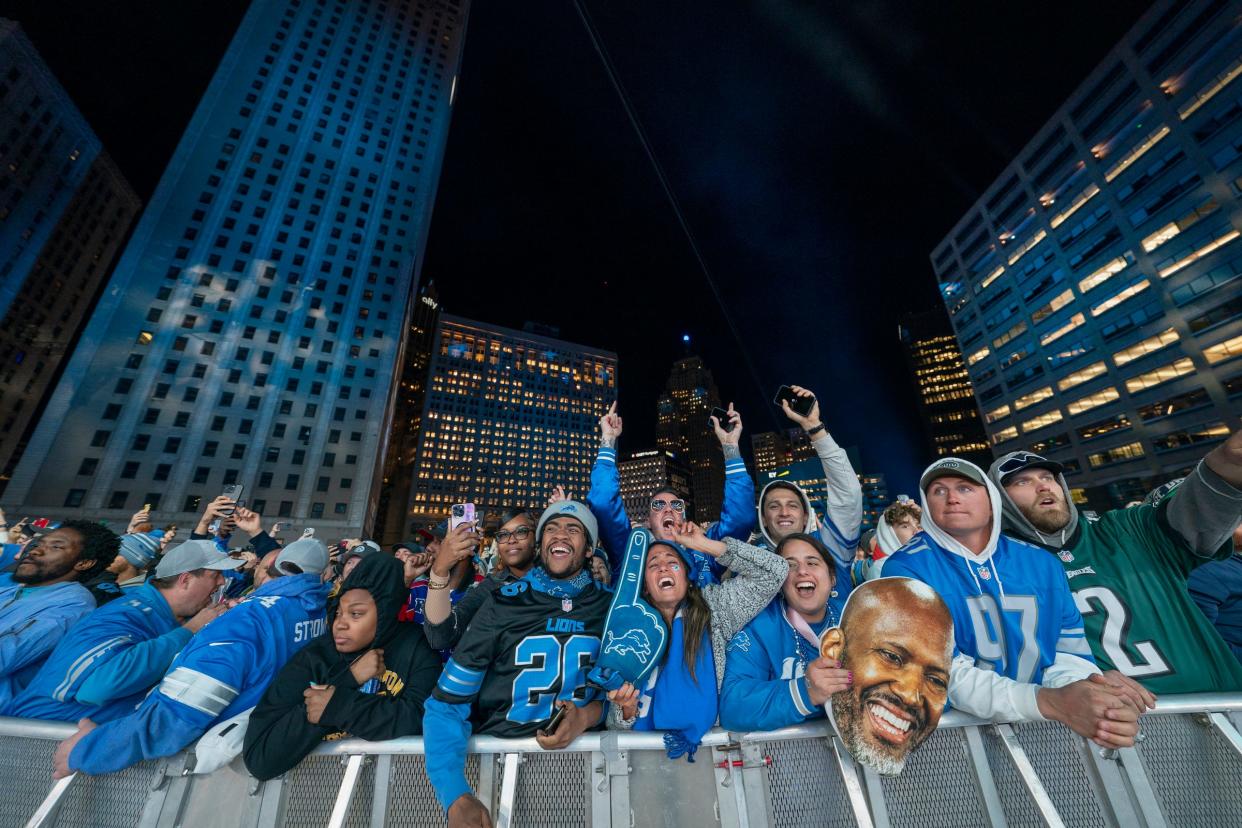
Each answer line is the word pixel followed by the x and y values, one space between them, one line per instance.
pixel 1186 771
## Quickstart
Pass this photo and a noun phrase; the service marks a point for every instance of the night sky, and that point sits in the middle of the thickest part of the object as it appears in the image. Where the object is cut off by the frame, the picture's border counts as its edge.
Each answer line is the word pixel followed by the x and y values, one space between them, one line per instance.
pixel 818 151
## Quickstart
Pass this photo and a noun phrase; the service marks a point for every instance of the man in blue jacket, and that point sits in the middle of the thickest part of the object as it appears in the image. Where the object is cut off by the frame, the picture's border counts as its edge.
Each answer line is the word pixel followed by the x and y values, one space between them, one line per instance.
pixel 220 673
pixel 43 597
pixel 108 662
pixel 667 513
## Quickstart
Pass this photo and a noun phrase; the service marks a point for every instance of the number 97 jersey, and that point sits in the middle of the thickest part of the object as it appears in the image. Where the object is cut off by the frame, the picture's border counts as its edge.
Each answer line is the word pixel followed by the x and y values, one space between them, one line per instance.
pixel 524 650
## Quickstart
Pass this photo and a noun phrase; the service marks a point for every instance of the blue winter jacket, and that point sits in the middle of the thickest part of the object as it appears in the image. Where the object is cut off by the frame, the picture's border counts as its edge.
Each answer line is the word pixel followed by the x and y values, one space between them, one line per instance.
pixel 223 671
pixel 737 517
pixel 1217 588
pixel 33 620
pixel 107 663
pixel 764 683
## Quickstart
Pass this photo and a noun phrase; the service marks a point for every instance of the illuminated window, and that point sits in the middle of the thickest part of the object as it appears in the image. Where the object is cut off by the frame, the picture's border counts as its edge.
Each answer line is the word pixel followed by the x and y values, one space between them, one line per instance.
pixel 1191 436
pixel 1119 297
pixel 1171 405
pixel 1004 434
pixel 1181 225
pixel 1081 199
pixel 1146 346
pixel 1220 241
pixel 1016 330
pixel 1032 398
pixel 1026 246
pixel 1222 351
pixel 1052 307
pixel 1209 90
pixel 1102 275
pixel 1081 375
pixel 978 355
pixel 992 277
pixel 1073 322
pixel 144 338
pixel 1107 426
pixel 1130 451
pixel 1090 401
pixel 1162 374
pixel 1136 153
pixel 997 414
pixel 1045 419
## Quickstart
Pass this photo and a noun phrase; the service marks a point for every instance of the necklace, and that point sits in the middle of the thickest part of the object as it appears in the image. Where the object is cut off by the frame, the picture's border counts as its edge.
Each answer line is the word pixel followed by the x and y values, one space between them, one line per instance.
pixel 800 639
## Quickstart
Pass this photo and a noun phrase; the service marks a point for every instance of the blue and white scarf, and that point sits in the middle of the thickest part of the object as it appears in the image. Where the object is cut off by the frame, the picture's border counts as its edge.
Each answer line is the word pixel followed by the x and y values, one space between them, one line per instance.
pixel 683 706
pixel 541 581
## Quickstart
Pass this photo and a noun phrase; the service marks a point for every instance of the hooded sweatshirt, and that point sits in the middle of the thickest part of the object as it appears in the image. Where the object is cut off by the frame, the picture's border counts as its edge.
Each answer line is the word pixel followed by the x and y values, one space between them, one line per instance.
pixel 279 736
pixel 843 548
pixel 1014 620
pixel 222 672
pixel 1128 571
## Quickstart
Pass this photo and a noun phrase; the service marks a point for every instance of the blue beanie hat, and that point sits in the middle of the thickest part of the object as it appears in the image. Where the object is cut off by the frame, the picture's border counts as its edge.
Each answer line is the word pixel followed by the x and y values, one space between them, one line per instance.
pixel 570 508
pixel 139 549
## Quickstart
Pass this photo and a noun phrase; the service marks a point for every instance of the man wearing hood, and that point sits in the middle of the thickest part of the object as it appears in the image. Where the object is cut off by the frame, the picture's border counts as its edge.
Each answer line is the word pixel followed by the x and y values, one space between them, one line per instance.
pixel 784 508
pixel 1021 652
pixel 1128 568
pixel 368 679
pixel 527 651
pixel 220 673
pixel 667 513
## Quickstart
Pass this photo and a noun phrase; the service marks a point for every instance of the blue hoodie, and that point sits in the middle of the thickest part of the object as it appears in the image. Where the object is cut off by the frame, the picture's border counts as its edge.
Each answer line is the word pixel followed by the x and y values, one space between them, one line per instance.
pixel 223 671
pixel 33 620
pixel 764 685
pixel 737 517
pixel 106 664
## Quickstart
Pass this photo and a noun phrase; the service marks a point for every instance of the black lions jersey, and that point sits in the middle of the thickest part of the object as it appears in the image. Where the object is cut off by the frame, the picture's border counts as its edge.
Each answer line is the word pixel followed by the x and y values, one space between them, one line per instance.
pixel 522 651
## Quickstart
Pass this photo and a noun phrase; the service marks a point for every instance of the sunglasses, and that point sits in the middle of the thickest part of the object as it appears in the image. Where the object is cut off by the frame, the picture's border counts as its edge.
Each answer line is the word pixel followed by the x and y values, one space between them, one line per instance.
pixel 1019 462
pixel 521 533
pixel 659 504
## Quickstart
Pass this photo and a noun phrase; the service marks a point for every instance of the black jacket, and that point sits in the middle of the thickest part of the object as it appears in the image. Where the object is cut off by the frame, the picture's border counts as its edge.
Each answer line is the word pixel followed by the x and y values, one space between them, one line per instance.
pixel 279 736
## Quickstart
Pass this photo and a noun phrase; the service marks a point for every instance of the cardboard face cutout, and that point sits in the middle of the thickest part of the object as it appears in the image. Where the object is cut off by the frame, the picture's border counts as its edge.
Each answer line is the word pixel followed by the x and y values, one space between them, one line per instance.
pixel 896 636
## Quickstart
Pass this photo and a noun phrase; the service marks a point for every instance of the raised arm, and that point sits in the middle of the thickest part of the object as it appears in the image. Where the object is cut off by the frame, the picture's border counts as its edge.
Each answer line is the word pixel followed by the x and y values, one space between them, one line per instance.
pixel 1208 503
pixel 604 498
pixel 737 516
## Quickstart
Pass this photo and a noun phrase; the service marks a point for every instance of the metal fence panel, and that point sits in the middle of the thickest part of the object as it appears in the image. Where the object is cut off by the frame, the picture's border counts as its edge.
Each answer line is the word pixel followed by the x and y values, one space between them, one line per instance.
pixel 670 794
pixel 312 786
pixel 937 789
pixel 554 791
pixel 411 800
pixel 805 785
pixel 1056 753
pixel 1196 776
pixel 1015 800
pixel 26 768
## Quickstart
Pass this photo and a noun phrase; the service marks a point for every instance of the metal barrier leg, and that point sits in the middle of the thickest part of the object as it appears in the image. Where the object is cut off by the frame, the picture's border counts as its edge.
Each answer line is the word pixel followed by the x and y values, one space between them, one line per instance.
pixel 617 780
pixel 1138 805
pixel 1222 725
pixel 340 810
pixel 984 781
pixel 379 795
pixel 508 790
pixel 487 781
pixel 46 811
pixel 1026 772
pixel 849 775
pixel 875 797
pixel 754 781
pixel 271 803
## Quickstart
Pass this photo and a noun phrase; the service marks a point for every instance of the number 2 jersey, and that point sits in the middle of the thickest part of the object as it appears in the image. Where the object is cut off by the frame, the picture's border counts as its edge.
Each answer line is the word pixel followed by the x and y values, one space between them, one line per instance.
pixel 523 650
pixel 1127 570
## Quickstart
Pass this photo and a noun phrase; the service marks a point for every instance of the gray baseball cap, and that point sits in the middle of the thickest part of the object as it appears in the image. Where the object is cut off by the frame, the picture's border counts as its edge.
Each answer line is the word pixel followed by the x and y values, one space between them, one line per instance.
pixel 308 554
pixel 192 555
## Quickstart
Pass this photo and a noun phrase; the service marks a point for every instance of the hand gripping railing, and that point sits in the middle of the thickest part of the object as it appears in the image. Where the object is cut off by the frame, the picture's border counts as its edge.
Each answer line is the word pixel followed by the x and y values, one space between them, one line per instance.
pixel 1185 772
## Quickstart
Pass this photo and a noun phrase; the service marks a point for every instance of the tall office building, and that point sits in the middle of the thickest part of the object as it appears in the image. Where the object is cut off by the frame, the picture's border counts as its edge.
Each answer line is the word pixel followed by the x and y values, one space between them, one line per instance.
pixel 946 403
pixel 773 449
pixel 683 428
pixel 391 525
pixel 1095 286
pixel 251 330
pixel 875 498
pixel 645 472
pixel 65 210
pixel 508 416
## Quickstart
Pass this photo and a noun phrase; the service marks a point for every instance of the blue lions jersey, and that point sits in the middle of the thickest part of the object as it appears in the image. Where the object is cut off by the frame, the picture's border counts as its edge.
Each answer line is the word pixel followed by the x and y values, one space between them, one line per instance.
pixel 1012 613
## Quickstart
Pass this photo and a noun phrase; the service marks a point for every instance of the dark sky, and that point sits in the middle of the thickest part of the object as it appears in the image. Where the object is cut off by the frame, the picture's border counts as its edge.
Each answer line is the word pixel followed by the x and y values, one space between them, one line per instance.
pixel 818 150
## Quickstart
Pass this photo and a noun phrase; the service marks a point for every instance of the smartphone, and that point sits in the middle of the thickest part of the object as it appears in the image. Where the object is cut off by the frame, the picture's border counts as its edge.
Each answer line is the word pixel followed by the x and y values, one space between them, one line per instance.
pixel 309 532
pixel 146 507
pixel 555 721
pixel 232 492
pixel 460 513
pixel 722 416
pixel 800 405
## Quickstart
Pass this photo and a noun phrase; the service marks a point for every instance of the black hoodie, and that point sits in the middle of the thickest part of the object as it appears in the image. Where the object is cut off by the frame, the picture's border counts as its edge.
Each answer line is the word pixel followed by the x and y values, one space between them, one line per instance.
pixel 279 736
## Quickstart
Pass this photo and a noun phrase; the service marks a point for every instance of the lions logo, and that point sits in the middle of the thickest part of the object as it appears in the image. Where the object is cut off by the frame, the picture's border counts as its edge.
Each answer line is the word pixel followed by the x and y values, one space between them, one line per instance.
pixel 634 641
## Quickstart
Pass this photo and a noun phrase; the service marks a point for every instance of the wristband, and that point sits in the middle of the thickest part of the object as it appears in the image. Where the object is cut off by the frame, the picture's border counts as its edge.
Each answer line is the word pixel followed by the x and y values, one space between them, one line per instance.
pixel 816 430
pixel 432 583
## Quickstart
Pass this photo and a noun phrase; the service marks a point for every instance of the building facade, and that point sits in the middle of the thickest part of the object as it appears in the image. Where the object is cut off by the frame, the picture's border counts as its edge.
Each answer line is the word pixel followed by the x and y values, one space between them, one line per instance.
pixel 946 402
pixel 1095 287
pixel 250 332
pixel 644 473
pixel 875 498
pixel 65 210
pixel 683 428
pixel 774 449
pixel 508 416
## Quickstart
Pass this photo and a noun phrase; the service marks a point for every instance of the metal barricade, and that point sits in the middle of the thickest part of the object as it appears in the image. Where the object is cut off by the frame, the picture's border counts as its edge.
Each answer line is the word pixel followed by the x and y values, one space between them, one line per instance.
pixel 1185 772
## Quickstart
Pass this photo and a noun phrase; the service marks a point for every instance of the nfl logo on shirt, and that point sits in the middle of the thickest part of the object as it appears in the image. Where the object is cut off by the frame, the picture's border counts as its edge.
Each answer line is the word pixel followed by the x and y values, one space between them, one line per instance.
pixel 985 573
pixel 1065 556
pixel 567 605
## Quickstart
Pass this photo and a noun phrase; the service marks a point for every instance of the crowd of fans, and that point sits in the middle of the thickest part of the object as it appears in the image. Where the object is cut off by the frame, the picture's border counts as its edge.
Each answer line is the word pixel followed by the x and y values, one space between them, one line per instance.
pixel 238 644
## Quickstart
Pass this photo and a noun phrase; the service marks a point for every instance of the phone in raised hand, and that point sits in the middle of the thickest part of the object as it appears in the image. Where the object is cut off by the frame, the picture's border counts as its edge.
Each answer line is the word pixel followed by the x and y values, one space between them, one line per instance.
pixel 460 513
pixel 800 405
pixel 722 417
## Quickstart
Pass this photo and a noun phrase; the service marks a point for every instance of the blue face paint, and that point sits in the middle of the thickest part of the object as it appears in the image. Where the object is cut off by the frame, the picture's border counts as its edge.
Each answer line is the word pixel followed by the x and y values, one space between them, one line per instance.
pixel 675 567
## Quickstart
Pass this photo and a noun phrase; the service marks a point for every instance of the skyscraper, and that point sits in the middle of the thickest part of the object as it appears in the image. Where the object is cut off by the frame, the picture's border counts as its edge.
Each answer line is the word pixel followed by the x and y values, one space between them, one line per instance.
pixel 65 209
pixel 391 523
pixel 251 330
pixel 946 401
pixel 682 427
pixel 508 416
pixel 875 498
pixel 645 472
pixel 1094 288
pixel 773 449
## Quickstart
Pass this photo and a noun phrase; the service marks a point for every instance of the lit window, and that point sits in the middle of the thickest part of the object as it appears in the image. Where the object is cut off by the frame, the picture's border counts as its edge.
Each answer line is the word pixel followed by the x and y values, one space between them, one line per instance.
pixel 1221 241
pixel 997 414
pixel 1081 375
pixel 144 337
pixel 1004 434
pixel 1102 275
pixel 1052 307
pixel 1136 153
pixel 978 355
pixel 1045 419
pixel 1147 346
pixel 1162 374
pixel 1222 351
pixel 1119 297
pixel 1129 451
pixel 1210 89
pixel 1090 401
pixel 1032 398
pixel 1073 322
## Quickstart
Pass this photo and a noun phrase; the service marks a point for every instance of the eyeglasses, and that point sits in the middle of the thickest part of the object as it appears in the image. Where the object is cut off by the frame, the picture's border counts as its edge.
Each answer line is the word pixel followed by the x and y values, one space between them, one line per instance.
pixel 521 533
pixel 659 504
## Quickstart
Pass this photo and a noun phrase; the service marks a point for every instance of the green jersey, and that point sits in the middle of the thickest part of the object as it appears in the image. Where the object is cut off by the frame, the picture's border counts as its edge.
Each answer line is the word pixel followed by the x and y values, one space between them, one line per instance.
pixel 1127 570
